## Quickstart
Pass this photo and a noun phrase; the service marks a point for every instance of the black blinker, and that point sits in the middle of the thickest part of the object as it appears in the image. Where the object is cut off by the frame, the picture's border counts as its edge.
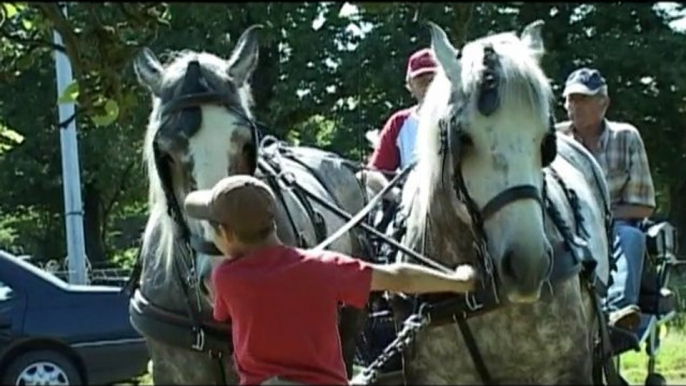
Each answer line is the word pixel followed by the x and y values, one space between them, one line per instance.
pixel 489 98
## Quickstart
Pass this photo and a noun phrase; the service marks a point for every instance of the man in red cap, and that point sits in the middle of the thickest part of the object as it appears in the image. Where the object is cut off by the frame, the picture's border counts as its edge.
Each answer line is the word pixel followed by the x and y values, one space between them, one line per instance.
pixel 396 145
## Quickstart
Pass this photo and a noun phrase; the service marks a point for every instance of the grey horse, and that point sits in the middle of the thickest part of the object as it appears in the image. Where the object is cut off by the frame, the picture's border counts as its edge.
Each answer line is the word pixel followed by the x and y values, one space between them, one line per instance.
pixel 200 130
pixel 496 187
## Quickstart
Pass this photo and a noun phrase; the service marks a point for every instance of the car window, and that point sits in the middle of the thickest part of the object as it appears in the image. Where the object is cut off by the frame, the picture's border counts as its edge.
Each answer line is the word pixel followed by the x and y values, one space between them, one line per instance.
pixel 5 292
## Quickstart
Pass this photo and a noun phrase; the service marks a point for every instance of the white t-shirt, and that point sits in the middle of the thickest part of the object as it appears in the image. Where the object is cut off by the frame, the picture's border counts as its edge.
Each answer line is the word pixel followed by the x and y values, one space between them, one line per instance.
pixel 407 138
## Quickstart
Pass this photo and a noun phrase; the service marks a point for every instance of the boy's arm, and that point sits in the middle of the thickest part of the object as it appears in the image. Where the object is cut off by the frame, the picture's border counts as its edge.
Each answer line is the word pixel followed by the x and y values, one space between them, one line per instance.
pixel 353 278
pixel 417 279
pixel 217 288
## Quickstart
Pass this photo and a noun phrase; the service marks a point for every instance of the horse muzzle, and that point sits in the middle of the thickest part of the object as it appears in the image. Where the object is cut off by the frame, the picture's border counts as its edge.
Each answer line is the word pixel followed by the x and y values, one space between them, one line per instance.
pixel 523 270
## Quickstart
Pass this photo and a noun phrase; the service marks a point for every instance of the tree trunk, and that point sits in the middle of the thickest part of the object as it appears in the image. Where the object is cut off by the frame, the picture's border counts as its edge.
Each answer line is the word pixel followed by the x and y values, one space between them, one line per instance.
pixel 677 212
pixel 92 222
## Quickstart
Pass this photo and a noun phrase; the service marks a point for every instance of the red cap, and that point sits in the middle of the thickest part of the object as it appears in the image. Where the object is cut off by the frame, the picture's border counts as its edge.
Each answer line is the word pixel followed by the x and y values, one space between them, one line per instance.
pixel 421 62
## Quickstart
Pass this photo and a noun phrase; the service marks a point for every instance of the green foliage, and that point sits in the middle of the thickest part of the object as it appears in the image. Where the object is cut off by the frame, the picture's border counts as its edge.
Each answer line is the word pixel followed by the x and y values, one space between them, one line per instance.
pixel 8 233
pixel 125 258
pixel 323 79
pixel 9 138
pixel 70 93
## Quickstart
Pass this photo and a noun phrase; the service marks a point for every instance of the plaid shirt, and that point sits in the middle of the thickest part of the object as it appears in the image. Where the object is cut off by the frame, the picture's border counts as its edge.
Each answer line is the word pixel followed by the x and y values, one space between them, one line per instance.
pixel 623 158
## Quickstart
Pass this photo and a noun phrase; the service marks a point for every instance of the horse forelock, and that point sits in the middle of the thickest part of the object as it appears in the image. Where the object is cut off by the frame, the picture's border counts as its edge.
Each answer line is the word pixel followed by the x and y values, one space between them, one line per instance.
pixel 523 90
pixel 209 148
pixel 521 81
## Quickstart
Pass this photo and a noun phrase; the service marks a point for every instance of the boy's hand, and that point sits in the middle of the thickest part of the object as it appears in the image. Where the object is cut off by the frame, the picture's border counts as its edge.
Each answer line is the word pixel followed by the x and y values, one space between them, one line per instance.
pixel 466 274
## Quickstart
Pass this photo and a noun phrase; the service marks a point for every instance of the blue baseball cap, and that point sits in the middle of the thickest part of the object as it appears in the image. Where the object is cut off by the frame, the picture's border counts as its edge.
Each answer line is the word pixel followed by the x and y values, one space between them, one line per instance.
pixel 587 81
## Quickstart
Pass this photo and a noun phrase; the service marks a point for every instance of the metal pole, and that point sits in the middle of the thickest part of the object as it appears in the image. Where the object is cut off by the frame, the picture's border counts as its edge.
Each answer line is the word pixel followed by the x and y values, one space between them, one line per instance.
pixel 71 180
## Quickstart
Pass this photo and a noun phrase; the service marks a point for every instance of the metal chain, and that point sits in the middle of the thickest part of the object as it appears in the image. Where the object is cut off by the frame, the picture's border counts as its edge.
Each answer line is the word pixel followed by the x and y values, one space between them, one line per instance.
pixel 411 326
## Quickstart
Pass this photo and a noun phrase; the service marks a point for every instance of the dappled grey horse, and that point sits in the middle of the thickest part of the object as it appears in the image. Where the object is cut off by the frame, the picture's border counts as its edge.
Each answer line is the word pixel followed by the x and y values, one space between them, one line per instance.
pixel 496 187
pixel 201 129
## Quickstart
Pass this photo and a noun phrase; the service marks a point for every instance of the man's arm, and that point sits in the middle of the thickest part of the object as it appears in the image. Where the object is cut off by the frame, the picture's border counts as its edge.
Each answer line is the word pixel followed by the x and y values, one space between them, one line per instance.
pixel 632 212
pixel 638 197
pixel 386 156
pixel 417 279
pixel 377 181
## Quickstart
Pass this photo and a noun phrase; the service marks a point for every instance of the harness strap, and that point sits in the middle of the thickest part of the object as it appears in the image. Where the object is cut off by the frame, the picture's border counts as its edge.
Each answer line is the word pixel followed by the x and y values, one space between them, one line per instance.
pixel 474 350
pixel 315 217
pixel 133 281
pixel 173 328
pixel 192 312
pixel 274 184
pixel 605 356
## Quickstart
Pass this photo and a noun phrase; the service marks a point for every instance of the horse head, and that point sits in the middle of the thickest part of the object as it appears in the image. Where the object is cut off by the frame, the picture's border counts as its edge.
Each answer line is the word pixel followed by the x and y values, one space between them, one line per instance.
pixel 200 130
pixel 485 132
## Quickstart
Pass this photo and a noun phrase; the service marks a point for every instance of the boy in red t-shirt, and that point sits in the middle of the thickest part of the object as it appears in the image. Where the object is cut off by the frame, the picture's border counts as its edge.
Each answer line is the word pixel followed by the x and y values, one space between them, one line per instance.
pixel 283 301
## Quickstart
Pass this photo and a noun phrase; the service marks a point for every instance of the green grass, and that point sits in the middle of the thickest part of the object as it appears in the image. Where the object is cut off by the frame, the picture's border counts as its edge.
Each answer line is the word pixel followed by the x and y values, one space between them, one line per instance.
pixel 671 360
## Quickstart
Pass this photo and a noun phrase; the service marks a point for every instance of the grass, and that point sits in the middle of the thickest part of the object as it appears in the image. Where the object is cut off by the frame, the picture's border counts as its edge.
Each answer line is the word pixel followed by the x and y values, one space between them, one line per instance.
pixel 671 360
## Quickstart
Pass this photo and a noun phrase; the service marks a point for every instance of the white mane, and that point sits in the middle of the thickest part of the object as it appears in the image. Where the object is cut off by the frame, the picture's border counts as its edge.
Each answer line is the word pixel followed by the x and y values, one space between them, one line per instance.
pixel 523 89
pixel 159 221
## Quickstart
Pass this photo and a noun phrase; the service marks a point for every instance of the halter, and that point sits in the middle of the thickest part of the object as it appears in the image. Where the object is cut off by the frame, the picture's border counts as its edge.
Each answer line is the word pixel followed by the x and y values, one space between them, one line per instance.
pixel 189 103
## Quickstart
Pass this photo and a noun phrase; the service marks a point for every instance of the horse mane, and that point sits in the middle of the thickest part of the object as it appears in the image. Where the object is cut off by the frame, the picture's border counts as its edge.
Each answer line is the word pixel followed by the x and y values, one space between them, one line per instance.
pixel 160 230
pixel 523 89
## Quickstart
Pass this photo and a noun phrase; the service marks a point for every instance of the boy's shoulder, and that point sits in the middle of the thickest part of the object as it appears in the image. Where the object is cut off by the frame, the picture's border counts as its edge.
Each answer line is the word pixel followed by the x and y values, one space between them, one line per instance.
pixel 333 258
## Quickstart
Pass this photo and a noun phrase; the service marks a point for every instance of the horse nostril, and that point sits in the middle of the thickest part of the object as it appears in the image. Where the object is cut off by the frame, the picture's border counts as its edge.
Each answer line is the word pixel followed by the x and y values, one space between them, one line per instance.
pixel 508 265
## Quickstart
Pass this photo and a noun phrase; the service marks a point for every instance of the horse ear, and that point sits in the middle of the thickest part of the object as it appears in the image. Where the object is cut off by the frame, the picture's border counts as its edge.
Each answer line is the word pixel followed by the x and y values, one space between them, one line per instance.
pixel 531 36
pixel 148 70
pixel 244 57
pixel 445 53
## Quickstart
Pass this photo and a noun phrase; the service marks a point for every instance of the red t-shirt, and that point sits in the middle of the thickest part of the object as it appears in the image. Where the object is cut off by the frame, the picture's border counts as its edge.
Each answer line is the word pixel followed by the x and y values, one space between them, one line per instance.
pixel 283 303
pixel 386 156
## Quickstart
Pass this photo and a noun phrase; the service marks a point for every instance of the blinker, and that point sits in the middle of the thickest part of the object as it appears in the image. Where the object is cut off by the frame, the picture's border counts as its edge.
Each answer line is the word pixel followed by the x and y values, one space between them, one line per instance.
pixel 191 82
pixel 191 117
pixel 489 98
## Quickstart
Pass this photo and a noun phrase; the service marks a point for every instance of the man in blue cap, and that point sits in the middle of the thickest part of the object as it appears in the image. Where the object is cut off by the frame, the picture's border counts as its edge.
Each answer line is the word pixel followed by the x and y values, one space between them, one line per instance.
pixel 618 148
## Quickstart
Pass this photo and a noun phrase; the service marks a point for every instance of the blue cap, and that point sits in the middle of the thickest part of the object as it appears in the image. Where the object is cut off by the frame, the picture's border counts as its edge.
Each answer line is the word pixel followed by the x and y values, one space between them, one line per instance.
pixel 587 81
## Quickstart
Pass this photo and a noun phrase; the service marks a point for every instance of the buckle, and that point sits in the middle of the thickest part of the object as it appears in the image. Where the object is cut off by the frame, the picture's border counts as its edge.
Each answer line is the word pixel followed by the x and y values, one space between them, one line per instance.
pixel 215 354
pixel 472 302
pixel 199 344
pixel 288 178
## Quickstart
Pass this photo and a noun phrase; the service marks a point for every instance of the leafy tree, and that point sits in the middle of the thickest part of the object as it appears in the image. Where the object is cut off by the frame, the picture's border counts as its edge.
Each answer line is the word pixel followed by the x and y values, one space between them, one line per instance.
pixel 323 79
pixel 33 169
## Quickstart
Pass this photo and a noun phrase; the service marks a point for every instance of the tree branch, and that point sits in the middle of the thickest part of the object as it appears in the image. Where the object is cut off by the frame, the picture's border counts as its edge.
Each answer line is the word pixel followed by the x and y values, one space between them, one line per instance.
pixel 53 13
pixel 463 18
pixel 32 42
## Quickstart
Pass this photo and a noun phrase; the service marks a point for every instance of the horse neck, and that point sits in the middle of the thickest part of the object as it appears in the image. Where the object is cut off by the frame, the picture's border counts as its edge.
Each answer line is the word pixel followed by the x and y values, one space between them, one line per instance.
pixel 159 281
pixel 449 236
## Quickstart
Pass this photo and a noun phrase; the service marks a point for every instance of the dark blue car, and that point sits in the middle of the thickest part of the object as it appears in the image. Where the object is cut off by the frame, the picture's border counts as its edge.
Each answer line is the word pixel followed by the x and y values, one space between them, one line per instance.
pixel 54 333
